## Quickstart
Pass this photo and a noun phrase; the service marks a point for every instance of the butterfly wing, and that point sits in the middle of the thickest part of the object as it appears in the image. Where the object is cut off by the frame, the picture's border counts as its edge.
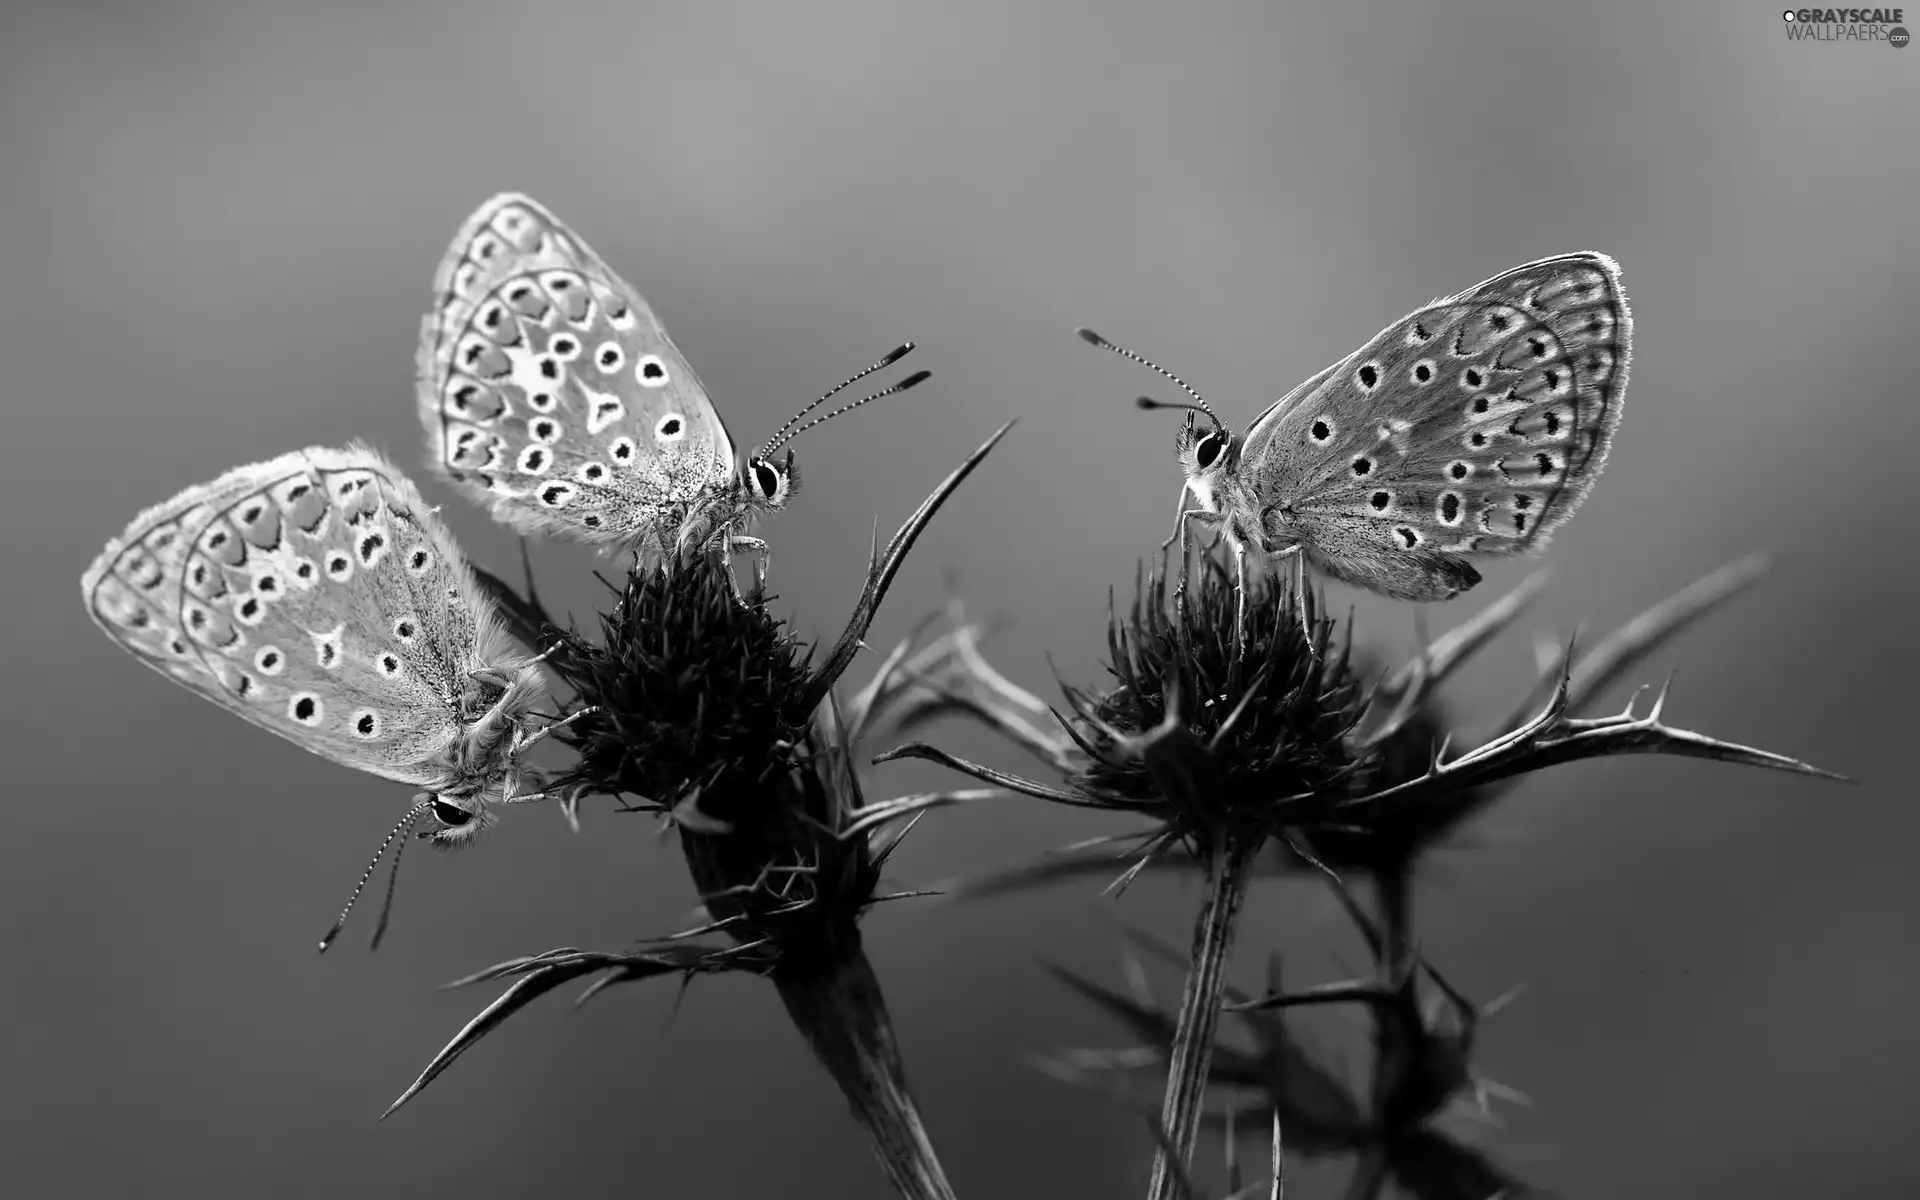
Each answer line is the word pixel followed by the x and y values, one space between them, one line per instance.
pixel 1263 425
pixel 1475 425
pixel 315 595
pixel 550 391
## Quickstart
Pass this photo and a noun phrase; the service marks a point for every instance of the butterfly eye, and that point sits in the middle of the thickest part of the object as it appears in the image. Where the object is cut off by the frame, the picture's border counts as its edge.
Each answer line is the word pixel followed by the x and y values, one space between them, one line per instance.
pixel 1209 449
pixel 450 815
pixel 766 479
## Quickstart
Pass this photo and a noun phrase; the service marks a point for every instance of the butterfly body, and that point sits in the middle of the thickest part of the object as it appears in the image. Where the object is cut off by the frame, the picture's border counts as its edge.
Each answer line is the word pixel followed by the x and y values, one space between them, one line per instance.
pixel 318 596
pixel 1474 426
pixel 552 395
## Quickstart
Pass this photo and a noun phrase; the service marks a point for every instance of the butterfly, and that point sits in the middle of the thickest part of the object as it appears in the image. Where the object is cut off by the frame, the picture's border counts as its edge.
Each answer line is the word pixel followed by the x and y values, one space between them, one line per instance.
pixel 319 597
pixel 551 394
pixel 1472 426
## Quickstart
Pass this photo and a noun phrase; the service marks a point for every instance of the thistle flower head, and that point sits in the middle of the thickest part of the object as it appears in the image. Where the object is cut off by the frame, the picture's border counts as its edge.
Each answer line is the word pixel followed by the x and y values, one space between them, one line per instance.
pixel 1198 730
pixel 687 683
pixel 705 709
pixel 1210 738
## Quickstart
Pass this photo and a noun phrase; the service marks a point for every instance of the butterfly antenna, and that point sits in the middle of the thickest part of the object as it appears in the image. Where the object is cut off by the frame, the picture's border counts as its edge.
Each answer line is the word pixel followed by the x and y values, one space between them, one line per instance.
pixel 386 904
pixel 913 380
pixel 781 437
pixel 1148 402
pixel 1199 404
pixel 414 814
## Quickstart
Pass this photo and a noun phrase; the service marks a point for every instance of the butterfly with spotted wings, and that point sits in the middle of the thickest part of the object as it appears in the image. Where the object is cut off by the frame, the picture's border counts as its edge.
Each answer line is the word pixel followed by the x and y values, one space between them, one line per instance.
pixel 552 394
pixel 1475 425
pixel 318 596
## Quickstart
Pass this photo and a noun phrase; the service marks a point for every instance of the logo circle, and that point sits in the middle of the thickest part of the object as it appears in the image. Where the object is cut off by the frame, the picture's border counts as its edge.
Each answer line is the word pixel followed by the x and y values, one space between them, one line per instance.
pixel 1787 15
pixel 1898 37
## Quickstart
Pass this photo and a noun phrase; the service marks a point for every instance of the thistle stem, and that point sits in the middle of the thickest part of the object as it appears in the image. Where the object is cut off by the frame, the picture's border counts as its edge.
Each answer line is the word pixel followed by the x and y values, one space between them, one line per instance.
pixel 834 999
pixel 1191 1059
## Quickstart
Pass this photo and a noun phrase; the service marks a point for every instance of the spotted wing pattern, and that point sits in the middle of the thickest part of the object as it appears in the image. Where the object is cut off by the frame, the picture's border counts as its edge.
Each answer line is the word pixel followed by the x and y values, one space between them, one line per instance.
pixel 315 595
pixel 1473 426
pixel 550 391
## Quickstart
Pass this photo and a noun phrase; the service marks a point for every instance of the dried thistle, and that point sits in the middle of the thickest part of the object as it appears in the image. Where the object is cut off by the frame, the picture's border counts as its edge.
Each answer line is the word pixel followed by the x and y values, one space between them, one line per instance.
pixel 707 711
pixel 1284 747
pixel 1224 743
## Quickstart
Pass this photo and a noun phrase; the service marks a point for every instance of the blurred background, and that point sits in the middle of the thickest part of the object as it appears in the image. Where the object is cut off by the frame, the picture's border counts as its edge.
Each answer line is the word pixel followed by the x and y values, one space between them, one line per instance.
pixel 220 224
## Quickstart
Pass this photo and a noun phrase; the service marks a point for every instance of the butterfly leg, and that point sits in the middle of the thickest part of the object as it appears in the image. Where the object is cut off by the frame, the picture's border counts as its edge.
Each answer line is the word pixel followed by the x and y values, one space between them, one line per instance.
pixel 1187 517
pixel 535 738
pixel 1300 586
pixel 1179 523
pixel 1296 552
pixel 752 545
pixel 1239 598
pixel 761 556
pixel 523 740
pixel 509 796
pixel 500 678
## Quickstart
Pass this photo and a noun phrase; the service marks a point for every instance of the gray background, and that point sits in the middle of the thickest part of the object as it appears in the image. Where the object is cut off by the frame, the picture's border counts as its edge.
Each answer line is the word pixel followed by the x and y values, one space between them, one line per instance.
pixel 219 226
